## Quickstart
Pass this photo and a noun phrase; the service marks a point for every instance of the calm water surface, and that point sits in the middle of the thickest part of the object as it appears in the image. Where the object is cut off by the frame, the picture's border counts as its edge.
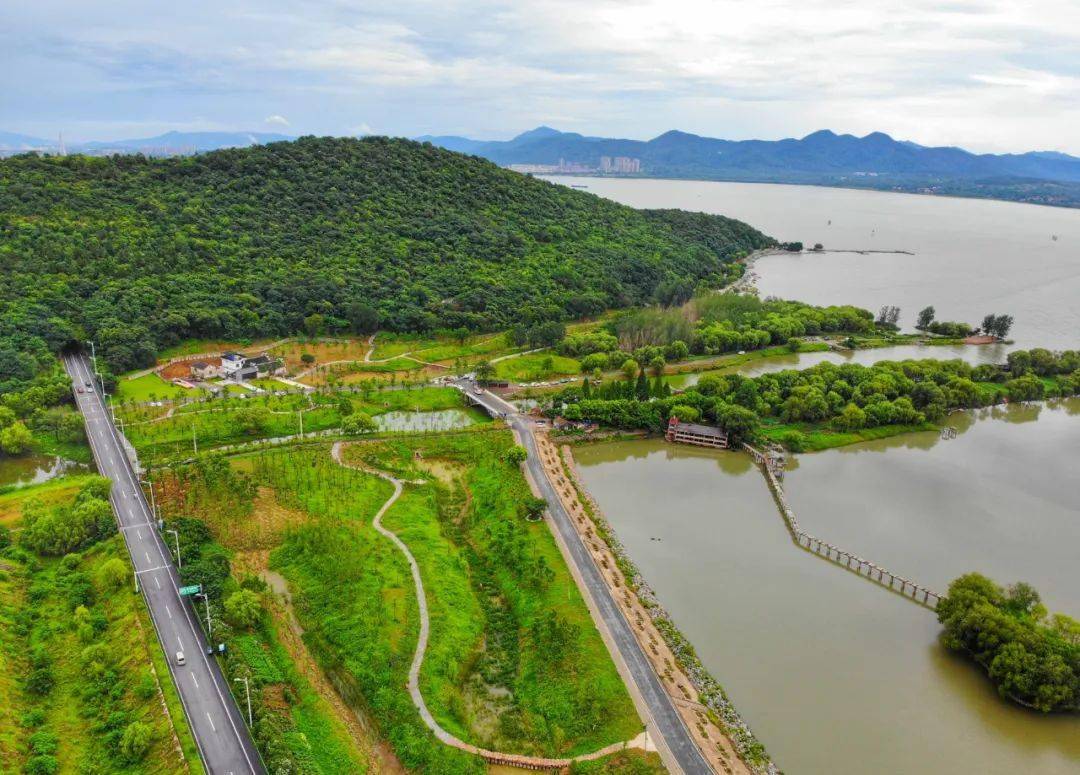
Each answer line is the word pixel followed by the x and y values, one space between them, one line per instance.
pixel 971 256
pixel 971 354
pixel 35 469
pixel 837 675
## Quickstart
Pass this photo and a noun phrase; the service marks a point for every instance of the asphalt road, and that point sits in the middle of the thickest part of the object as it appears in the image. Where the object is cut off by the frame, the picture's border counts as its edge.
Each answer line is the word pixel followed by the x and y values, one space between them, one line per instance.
pixel 666 721
pixel 219 729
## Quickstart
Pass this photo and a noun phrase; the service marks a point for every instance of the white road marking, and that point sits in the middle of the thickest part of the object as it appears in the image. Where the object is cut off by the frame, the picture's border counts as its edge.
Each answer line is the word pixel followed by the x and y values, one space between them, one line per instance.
pixel 211 721
pixel 138 533
pixel 147 556
pixel 167 609
pixel 194 680
pixel 157 581
pixel 179 642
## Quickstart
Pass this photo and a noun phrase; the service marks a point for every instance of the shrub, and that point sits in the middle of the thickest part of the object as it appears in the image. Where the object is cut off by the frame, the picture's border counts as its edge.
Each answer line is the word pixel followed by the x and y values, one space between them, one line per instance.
pixel 243 608
pixel 135 741
pixel 113 573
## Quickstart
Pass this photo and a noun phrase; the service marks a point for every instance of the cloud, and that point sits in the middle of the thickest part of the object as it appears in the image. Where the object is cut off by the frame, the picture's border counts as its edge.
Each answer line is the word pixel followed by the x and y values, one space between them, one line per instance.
pixel 987 74
pixel 362 129
pixel 276 120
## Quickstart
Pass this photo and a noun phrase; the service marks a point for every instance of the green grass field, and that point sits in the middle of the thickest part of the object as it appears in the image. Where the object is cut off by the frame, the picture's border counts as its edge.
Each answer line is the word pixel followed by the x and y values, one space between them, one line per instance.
pixel 514 661
pixel 536 366
pixel 233 420
pixel 507 619
pixel 150 387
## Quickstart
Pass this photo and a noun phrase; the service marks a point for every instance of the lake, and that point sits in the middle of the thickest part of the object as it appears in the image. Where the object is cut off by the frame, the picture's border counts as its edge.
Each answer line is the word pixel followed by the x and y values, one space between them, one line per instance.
pixel 835 674
pixel 971 256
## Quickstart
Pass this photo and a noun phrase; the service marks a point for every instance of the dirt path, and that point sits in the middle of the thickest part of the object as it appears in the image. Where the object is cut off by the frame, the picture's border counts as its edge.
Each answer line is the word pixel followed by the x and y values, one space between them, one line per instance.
pixel 493 757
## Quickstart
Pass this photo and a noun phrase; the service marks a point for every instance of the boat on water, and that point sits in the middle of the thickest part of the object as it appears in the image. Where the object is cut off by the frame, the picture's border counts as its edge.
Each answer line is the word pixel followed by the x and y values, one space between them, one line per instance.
pixel 578 185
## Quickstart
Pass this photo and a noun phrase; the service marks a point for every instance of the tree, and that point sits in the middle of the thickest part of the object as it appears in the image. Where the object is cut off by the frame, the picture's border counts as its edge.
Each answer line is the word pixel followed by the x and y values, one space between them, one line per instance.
pixel 113 574
pixel 314 324
pixel 926 317
pixel 641 387
pixel 629 368
pixel 516 455
pixel 851 418
pixel 16 439
pixel 307 359
pixel 135 741
pixel 740 423
pixel 657 365
pixel 685 413
pixel 359 422
pixel 243 609
pixel 485 372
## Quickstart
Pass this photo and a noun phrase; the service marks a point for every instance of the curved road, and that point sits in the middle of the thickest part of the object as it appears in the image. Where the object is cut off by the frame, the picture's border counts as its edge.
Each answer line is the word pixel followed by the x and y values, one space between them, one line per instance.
pixel 665 722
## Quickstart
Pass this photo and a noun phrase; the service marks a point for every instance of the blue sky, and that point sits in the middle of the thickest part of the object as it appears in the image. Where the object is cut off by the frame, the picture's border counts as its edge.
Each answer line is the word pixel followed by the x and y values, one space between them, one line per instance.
pixel 986 74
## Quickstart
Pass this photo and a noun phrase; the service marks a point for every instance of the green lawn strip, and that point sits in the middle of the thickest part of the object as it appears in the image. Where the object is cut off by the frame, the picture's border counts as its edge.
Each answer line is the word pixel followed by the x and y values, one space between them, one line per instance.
pixel 149 387
pixel 46 443
pixel 535 366
pixel 457 625
pixel 487 345
pixel 820 437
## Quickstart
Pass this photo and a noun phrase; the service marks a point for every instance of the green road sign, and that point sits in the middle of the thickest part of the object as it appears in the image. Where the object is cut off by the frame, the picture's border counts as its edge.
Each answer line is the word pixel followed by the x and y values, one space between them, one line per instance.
pixel 194 589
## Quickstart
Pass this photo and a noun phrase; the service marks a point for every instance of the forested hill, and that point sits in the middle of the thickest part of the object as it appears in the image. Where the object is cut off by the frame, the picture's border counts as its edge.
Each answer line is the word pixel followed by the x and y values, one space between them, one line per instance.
pixel 139 253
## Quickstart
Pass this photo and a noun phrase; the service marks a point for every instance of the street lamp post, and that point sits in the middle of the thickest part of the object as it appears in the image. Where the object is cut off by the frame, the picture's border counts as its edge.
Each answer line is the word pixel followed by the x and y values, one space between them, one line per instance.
pixel 179 563
pixel 153 500
pixel 247 690
pixel 93 353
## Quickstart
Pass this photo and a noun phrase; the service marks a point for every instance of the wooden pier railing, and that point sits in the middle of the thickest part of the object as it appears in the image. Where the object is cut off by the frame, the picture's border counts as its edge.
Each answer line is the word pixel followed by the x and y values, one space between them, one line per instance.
pixel 770 464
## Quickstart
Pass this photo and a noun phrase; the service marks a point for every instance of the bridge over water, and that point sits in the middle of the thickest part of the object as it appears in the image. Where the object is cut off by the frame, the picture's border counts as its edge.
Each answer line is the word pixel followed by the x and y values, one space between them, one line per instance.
pixel 773 471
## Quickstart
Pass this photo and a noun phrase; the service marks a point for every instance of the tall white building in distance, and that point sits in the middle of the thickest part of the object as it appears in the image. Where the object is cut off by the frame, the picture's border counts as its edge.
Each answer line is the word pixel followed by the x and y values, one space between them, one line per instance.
pixel 620 164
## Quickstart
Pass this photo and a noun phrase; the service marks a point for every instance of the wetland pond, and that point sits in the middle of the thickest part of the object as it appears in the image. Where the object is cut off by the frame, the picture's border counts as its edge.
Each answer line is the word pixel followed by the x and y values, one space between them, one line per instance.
pixel 835 674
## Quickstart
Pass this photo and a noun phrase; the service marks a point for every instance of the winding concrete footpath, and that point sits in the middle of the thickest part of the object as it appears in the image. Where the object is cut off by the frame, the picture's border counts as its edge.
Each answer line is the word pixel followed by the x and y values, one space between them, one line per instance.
pixel 494 757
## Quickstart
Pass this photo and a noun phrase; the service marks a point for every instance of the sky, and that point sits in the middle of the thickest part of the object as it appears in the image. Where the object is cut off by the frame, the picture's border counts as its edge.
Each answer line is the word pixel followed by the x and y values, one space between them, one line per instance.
pixel 988 75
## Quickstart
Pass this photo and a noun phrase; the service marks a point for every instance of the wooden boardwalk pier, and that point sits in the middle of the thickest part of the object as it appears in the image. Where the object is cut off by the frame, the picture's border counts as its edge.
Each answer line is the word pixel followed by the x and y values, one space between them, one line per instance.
pixel 771 466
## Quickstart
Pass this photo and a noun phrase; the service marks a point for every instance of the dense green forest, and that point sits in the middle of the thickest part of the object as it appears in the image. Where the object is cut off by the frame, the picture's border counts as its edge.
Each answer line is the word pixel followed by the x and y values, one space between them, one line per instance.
pixel 1030 656
pixel 319 234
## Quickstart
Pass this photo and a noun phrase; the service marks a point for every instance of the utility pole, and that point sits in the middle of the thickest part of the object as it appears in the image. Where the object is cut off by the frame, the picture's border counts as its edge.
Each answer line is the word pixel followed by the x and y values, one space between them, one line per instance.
pixel 194 440
pixel 179 564
pixel 247 690
pixel 301 413
pixel 209 629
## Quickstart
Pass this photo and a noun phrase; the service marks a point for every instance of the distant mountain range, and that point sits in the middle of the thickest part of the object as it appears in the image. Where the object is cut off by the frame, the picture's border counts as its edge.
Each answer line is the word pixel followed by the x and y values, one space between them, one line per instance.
pixel 168 144
pixel 821 158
